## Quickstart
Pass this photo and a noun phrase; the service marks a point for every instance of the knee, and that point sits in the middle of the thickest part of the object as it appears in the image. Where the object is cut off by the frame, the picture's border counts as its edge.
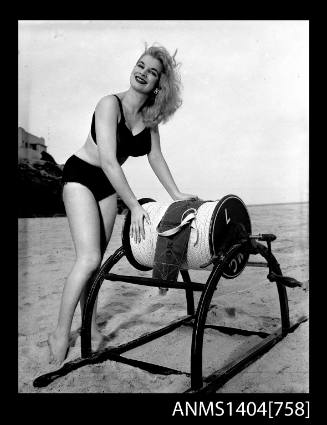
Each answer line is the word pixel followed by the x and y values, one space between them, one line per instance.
pixel 89 262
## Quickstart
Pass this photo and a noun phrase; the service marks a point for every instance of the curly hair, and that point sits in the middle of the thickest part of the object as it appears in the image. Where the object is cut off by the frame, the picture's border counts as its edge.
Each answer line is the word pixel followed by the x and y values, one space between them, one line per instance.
pixel 161 106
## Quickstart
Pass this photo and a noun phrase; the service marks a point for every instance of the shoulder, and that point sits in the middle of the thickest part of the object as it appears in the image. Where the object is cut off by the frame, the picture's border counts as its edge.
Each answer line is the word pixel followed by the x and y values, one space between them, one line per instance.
pixel 107 103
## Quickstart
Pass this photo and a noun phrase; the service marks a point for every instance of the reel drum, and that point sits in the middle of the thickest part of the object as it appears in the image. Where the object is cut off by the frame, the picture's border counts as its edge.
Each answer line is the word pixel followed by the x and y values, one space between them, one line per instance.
pixel 230 209
pixel 208 231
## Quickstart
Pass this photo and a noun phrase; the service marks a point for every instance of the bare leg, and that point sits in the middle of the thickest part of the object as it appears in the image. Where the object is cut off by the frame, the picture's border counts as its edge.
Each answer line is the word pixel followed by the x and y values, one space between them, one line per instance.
pixel 108 213
pixel 85 224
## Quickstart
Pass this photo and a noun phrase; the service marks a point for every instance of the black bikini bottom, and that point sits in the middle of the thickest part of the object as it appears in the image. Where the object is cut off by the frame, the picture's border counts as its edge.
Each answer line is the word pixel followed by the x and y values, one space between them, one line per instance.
pixel 91 176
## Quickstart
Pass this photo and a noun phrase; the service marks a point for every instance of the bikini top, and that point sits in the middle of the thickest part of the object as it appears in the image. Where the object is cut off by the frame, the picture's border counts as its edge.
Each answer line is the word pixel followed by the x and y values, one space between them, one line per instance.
pixel 127 143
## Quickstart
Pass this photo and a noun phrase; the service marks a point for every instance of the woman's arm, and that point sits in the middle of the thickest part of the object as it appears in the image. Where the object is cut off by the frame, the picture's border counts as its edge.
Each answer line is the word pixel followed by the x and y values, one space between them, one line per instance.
pixel 106 127
pixel 161 169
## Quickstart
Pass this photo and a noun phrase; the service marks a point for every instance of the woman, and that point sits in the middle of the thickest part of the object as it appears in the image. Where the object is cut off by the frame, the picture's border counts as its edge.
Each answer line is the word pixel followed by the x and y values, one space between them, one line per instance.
pixel 125 124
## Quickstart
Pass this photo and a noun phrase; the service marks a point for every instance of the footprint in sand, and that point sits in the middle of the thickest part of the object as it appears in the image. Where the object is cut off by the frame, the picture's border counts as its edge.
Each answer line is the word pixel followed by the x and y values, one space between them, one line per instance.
pixel 231 311
pixel 130 294
pixel 155 307
pixel 42 343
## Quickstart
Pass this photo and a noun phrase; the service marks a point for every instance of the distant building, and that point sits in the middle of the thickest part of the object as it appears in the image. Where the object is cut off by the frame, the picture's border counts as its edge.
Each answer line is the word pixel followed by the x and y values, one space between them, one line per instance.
pixel 29 146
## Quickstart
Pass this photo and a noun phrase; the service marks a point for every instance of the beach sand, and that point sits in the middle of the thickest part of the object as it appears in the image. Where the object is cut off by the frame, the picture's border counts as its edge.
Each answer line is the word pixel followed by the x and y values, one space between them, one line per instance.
pixel 46 254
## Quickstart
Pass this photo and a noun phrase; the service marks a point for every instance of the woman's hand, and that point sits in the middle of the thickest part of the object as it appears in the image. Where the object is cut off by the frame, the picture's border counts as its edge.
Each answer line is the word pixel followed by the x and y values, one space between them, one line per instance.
pixel 185 196
pixel 138 215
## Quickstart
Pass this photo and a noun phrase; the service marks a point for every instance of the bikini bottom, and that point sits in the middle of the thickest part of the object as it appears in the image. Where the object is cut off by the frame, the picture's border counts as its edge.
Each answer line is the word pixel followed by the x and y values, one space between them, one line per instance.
pixel 91 176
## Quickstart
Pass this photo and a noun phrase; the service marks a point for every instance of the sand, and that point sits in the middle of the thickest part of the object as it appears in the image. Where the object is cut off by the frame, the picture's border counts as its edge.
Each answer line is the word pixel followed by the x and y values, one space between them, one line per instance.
pixel 46 255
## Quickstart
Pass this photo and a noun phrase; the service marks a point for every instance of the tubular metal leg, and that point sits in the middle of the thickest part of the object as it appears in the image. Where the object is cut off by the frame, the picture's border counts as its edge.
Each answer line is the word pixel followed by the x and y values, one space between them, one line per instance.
pixel 201 317
pixel 189 293
pixel 283 303
pixel 204 304
pixel 86 348
pixel 282 292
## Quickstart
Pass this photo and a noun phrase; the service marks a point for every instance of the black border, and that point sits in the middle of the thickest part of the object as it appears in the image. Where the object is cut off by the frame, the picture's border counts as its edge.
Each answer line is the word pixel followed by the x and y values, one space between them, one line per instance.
pixel 107 407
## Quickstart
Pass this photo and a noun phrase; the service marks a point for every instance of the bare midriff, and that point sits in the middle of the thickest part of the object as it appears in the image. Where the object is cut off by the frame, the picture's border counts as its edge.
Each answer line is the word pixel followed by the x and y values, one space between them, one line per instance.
pixel 89 152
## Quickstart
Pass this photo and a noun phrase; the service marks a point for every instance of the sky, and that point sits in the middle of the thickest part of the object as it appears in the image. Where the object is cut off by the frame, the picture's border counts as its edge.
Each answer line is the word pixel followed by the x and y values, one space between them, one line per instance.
pixel 243 127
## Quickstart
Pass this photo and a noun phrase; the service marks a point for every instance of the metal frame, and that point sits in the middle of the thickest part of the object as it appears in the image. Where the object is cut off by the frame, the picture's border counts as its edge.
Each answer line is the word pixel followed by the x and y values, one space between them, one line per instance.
pixel 195 318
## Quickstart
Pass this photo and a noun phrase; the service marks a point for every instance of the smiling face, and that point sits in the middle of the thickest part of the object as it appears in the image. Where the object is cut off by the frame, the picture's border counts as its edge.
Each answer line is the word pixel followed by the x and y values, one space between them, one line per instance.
pixel 146 74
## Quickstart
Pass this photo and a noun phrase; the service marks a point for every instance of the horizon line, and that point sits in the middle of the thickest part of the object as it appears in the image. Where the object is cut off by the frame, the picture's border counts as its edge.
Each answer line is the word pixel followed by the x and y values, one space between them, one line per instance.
pixel 277 203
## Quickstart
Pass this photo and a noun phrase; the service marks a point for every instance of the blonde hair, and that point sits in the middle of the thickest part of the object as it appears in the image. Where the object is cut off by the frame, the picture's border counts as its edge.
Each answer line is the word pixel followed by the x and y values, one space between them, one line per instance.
pixel 161 106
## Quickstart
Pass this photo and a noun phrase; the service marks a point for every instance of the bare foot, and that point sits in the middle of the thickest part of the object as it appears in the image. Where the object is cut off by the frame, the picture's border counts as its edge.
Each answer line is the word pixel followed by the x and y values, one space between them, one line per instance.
pixel 58 347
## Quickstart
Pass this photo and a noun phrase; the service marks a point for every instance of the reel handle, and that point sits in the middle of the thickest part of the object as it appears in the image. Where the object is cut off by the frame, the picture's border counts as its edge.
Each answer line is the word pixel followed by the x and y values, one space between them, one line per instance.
pixel 267 237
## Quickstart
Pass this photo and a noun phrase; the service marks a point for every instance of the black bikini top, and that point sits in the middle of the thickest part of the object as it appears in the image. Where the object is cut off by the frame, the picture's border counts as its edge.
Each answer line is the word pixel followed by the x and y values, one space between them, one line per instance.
pixel 127 143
